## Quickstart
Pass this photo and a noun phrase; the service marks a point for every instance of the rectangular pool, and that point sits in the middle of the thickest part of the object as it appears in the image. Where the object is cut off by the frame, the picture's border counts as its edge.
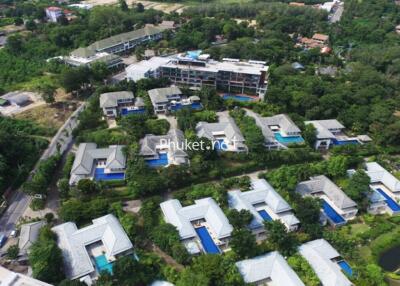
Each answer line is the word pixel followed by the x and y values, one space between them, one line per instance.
pixel 332 214
pixel 344 142
pixel 346 267
pixel 238 97
pixel 206 240
pixel 103 265
pixel 99 175
pixel 288 139
pixel 125 111
pixel 160 162
pixel 392 204
pixel 265 215
pixel 179 106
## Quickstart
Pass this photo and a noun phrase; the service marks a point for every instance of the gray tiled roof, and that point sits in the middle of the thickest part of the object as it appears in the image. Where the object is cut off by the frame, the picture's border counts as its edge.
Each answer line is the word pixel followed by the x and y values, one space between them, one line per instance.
pixel 321 184
pixel 160 95
pixel 282 120
pixel 110 99
pixel 378 174
pixel 323 127
pixel 229 127
pixel 28 235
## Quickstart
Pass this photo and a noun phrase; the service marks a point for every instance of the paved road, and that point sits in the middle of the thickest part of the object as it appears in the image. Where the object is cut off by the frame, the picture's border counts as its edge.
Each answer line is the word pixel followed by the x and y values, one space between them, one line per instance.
pixel 19 203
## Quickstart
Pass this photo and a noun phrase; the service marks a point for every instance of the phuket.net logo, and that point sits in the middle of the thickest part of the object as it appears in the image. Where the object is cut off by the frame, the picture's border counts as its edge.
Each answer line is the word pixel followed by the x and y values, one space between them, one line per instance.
pixel 201 145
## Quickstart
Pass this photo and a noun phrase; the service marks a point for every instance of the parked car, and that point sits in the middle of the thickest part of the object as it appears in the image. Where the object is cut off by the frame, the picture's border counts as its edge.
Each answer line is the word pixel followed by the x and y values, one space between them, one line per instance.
pixel 13 233
pixel 3 239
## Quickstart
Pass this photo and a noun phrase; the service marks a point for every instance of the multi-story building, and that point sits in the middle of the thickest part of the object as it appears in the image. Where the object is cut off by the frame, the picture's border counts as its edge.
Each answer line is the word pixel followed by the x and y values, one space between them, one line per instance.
pixel 265 204
pixel 202 227
pixel 105 49
pixel 195 70
pixel 121 103
pixel 337 207
pixel 53 13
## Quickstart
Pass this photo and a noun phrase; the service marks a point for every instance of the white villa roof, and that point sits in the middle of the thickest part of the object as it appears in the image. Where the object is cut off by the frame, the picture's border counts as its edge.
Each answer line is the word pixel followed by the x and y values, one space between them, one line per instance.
pixel 160 95
pixel 73 241
pixel 319 254
pixel 88 152
pixel 161 283
pixel 262 192
pixel 282 120
pixel 110 99
pixel 321 184
pixel 324 127
pixel 10 278
pixel 206 208
pixel 378 174
pixel 228 127
pixel 268 266
pixel 28 235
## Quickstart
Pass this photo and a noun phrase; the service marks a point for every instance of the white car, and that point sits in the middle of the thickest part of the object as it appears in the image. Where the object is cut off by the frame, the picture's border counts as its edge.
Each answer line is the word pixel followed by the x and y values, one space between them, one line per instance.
pixel 13 233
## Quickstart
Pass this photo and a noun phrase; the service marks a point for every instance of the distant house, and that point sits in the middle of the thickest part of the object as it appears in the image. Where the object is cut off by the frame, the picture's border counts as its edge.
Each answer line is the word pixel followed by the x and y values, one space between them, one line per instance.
pixel 10 278
pixel 268 269
pixel 53 13
pixel 92 249
pixel 202 226
pixel 169 99
pixel 326 263
pixel 164 150
pixel 279 130
pixel 120 103
pixel 28 235
pixel 225 135
pixel 320 41
pixel 337 207
pixel 386 190
pixel 265 204
pixel 98 163
pixel 331 132
pixel 88 57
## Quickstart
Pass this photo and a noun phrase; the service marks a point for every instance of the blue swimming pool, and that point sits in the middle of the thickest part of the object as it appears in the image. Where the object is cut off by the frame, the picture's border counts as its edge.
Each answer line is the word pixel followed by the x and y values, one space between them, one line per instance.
pixel 392 204
pixel 265 215
pixel 103 265
pixel 179 106
pixel 332 214
pixel 344 142
pixel 194 54
pixel 160 162
pixel 288 139
pixel 206 240
pixel 125 111
pixel 99 175
pixel 346 267
pixel 238 97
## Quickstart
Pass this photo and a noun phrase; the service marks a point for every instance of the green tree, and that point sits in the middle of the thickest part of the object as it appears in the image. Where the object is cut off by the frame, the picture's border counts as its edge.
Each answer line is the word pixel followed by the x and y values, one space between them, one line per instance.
pixel 18 21
pixel 13 251
pixel 122 5
pixel 309 134
pixel 282 240
pixel 30 25
pixel 239 219
pixel 243 243
pixel 47 92
pixel 87 186
pixel 358 189
pixel 337 166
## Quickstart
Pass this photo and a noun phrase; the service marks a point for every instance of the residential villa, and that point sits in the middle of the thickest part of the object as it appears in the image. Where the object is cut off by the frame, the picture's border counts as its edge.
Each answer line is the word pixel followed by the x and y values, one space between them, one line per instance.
pixel 194 69
pixel 225 135
pixel 29 233
pixel 53 13
pixel 326 263
pixel 386 190
pixel 320 41
pixel 331 132
pixel 164 150
pixel 121 103
pixel 265 204
pixel 92 249
pixel 279 130
pixel 105 49
pixel 169 99
pixel 268 269
pixel 337 207
pixel 98 163
pixel 10 278
pixel 202 227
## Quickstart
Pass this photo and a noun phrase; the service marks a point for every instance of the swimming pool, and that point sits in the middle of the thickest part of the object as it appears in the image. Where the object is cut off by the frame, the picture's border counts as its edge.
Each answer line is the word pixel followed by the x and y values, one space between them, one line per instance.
pixel 346 267
pixel 238 97
pixel 160 162
pixel 194 54
pixel 125 111
pixel 265 215
pixel 99 175
pixel 179 106
pixel 288 139
pixel 103 265
pixel 206 240
pixel 392 204
pixel 332 214
pixel 344 142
